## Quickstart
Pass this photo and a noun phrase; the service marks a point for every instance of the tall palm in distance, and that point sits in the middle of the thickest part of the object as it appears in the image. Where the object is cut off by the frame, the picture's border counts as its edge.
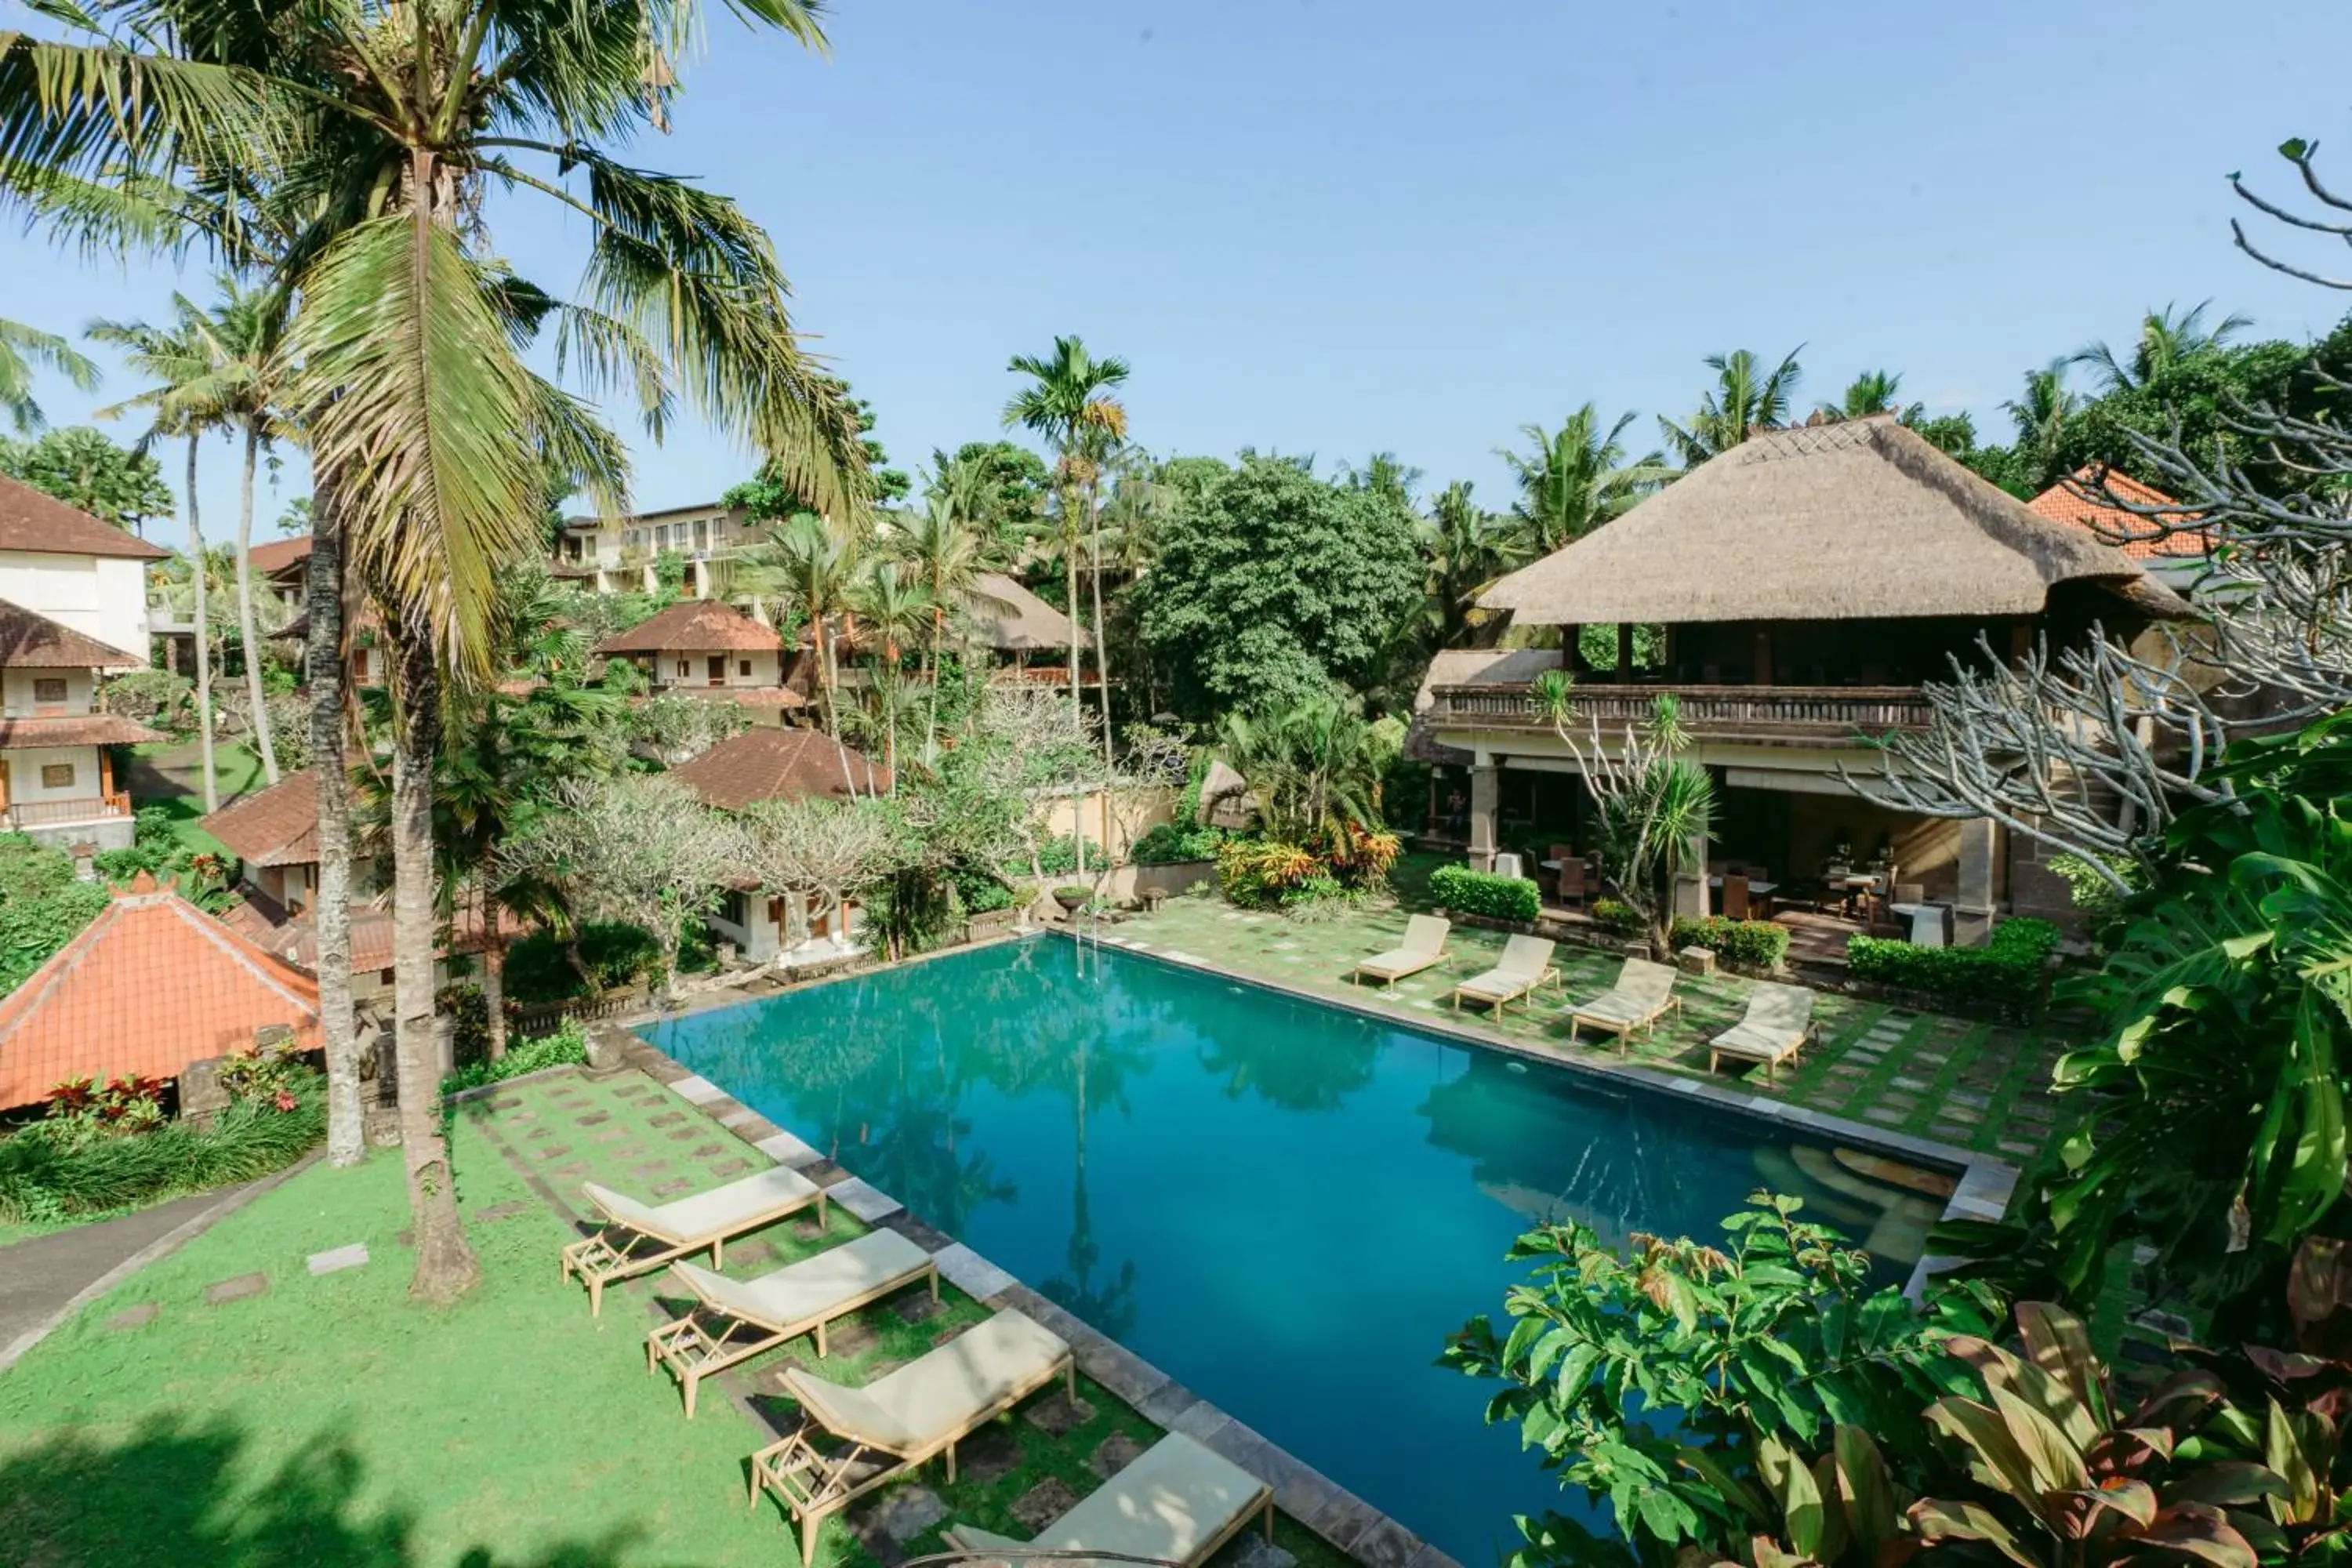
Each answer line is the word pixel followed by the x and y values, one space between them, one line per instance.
pixel 947 556
pixel 1746 398
pixel 1467 548
pixel 178 359
pixel 377 133
pixel 2168 338
pixel 809 566
pixel 23 351
pixel 1873 392
pixel 1069 406
pixel 1575 479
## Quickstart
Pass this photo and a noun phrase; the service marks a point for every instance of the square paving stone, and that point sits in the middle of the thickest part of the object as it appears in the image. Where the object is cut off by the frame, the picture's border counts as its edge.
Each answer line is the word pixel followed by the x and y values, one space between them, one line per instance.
pixel 917 1307
pixel 537 1134
pixel 594 1119
pixel 1260 1552
pixel 1910 1083
pixel 707 1150
pixel 553 1152
pixel 1041 1504
pixel 666 1118
pixel 672 1188
pixel 506 1210
pixel 726 1168
pixel 651 1168
pixel 682 1135
pixel 2011 1146
pixel 905 1512
pixel 130 1317
pixel 1114 1454
pixel 1881 1113
pixel 235 1289
pixel 1058 1413
pixel 847 1336
pixel 335 1259
pixel 607 1138
pixel 987 1456
pixel 568 1168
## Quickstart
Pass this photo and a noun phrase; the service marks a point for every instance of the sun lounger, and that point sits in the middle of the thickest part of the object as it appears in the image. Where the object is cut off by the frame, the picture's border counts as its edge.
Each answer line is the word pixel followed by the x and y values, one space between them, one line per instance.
pixel 756 1315
pixel 1177 1502
pixel 1642 994
pixel 896 1423
pixel 1526 964
pixel 1424 945
pixel 1778 1021
pixel 641 1238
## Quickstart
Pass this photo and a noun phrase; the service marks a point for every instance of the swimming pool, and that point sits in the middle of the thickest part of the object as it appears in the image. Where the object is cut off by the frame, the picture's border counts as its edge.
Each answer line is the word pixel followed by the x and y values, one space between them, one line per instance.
pixel 1285 1206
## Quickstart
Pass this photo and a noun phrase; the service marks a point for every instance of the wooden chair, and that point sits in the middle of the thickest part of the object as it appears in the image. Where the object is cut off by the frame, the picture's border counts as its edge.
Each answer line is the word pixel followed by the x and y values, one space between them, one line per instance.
pixel 1571 881
pixel 1734 897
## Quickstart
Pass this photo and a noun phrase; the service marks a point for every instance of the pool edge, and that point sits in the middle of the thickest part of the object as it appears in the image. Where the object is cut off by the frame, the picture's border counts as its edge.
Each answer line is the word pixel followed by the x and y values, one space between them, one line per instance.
pixel 1313 1499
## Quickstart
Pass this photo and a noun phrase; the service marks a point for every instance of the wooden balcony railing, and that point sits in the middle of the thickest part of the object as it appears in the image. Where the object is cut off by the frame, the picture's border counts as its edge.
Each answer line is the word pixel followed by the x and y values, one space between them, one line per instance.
pixel 1816 713
pixel 49 813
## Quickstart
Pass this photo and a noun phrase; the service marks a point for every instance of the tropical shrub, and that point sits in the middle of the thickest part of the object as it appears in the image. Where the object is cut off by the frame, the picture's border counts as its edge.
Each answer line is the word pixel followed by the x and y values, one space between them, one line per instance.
pixel 42 906
pixel 1172 843
pixel 46 1177
pixel 539 968
pixel 83 1108
pixel 1058 857
pixel 274 1073
pixel 1482 893
pixel 1257 873
pixel 567 1045
pixel 1750 945
pixel 1617 915
pixel 2006 972
pixel 156 698
pixel 977 892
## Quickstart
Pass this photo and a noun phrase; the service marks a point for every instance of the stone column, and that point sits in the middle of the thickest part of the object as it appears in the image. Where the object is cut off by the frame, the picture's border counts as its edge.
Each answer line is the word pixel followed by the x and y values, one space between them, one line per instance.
pixel 1690 885
pixel 1486 799
pixel 1979 856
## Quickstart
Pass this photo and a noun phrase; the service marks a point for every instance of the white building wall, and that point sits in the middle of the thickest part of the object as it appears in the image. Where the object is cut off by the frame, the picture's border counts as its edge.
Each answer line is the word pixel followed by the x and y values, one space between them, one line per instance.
pixel 20 691
pixel 762 670
pixel 99 596
pixel 26 786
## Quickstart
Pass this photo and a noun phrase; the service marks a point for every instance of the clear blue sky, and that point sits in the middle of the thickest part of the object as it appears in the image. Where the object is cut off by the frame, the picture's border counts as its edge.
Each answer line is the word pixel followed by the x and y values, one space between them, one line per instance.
pixel 1336 228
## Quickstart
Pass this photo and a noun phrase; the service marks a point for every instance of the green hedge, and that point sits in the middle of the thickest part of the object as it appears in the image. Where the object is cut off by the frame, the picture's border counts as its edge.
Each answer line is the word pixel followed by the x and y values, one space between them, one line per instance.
pixel 1170 844
pixel 2006 972
pixel 568 1044
pixel 1750 944
pixel 1617 915
pixel 1472 892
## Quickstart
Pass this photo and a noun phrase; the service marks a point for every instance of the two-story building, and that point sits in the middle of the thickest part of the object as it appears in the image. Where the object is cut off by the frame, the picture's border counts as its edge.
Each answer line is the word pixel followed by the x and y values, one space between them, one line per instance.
pixel 73 607
pixel 1800 588
pixel 707 647
pixel 617 554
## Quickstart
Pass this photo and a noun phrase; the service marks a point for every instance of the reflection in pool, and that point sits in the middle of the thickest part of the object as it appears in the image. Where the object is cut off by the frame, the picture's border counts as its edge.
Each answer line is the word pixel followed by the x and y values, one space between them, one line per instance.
pixel 1284 1206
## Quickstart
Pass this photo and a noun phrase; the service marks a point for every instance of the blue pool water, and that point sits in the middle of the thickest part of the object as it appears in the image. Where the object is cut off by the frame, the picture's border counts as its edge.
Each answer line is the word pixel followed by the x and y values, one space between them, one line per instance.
pixel 1284 1206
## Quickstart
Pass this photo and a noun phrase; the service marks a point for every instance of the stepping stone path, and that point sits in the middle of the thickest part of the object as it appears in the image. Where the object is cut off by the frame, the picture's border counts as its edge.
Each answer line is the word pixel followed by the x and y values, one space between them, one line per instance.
pixel 907 1512
pixel 848 1337
pixel 1041 1504
pixel 235 1289
pixel 334 1260
pixel 1114 1454
pixel 594 1119
pixel 666 1118
pixel 987 1456
pixel 1058 1413
pixel 671 1189
pixel 568 1168
pixel 707 1150
pixel 730 1167
pixel 1260 1552
pixel 131 1318
pixel 917 1307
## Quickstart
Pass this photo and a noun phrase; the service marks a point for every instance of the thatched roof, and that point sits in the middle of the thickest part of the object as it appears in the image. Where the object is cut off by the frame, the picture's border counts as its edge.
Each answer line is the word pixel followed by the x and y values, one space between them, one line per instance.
pixel 1861 520
pixel 1004 615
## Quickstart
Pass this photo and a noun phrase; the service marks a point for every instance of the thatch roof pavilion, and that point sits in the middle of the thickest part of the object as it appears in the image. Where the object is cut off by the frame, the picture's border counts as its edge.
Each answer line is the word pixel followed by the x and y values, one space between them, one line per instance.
pixel 1007 617
pixel 1862 520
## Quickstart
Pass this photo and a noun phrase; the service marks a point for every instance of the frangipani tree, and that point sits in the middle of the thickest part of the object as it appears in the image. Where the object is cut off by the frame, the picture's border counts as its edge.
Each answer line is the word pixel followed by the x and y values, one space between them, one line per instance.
pixel 814 845
pixel 1655 808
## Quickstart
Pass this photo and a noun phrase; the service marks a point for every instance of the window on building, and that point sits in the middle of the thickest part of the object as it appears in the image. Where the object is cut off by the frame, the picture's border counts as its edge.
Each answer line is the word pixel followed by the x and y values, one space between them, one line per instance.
pixel 383 977
pixel 684 667
pixel 49 688
pixel 743 667
pixel 57 775
pixel 732 910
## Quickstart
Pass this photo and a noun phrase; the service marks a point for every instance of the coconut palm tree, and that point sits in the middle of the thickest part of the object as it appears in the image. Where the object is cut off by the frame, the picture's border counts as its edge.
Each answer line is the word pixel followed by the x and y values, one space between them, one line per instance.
pixel 945 556
pixel 809 566
pixel 1576 479
pixel 1068 405
pixel 1873 392
pixel 1466 547
pixel 1745 399
pixel 23 350
pixel 2168 338
pixel 374 134
pixel 896 608
pixel 178 359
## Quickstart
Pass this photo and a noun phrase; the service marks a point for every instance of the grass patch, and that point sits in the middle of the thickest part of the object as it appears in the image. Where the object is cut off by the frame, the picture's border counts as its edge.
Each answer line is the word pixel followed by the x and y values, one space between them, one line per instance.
pixel 330 1419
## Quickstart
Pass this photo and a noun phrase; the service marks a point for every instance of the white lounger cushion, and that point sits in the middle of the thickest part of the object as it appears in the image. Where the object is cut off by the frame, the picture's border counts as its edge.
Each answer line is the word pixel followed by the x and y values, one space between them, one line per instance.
pixel 717 1212
pixel 1424 942
pixel 814 1286
pixel 1775 1024
pixel 1641 990
pixel 942 1392
pixel 1170 1503
pixel 1525 958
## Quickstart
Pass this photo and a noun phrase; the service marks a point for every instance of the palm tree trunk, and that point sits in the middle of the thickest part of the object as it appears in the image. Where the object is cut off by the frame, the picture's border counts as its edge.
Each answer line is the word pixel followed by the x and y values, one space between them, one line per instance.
pixel 331 912
pixel 1102 651
pixel 494 986
pixel 245 608
pixel 824 675
pixel 445 1266
pixel 1077 699
pixel 204 637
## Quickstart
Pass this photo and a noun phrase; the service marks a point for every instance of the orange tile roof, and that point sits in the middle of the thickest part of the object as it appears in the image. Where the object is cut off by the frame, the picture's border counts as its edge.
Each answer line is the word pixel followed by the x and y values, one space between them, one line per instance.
pixel 152 985
pixel 772 764
pixel 280 554
pixel 75 730
pixel 277 827
pixel 691 626
pixel 2066 501
pixel 37 521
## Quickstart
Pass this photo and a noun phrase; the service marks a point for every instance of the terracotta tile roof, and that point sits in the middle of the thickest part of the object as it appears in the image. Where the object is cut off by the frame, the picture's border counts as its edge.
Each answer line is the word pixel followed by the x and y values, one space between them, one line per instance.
pixel 780 697
pixel 75 730
pixel 152 985
pixel 277 827
pixel 30 641
pixel 31 520
pixel 2066 501
pixel 692 625
pixel 773 764
pixel 280 554
pixel 295 939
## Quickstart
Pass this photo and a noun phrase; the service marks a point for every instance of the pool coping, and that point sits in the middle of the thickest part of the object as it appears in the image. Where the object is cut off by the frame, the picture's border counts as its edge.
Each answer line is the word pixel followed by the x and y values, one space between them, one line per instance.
pixel 1986 1182
pixel 1313 1499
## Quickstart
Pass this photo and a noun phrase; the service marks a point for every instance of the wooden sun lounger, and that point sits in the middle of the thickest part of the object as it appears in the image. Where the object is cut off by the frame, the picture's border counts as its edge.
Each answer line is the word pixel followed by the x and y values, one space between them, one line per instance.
pixel 1642 993
pixel 1424 945
pixel 1177 1502
pixel 1526 964
pixel 895 1423
pixel 650 1237
pixel 756 1315
pixel 1777 1023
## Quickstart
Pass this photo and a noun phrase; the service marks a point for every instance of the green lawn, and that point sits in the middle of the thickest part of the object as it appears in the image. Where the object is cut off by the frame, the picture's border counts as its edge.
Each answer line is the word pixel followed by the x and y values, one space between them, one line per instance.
pixel 167 773
pixel 331 1420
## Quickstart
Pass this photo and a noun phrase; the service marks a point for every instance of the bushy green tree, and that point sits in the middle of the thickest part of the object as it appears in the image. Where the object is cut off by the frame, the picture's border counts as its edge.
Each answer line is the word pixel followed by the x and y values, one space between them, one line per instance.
pixel 83 469
pixel 1276 585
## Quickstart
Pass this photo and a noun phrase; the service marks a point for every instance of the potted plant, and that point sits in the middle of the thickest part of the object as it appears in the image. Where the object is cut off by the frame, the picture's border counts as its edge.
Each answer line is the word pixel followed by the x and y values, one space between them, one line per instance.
pixel 1073 897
